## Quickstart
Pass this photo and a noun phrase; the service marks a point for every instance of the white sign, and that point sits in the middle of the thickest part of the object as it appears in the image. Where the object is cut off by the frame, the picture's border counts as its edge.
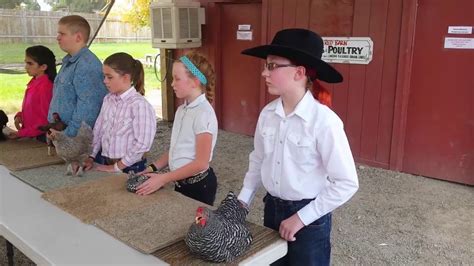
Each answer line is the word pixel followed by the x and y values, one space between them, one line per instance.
pixel 244 35
pixel 459 43
pixel 460 29
pixel 348 50
pixel 244 27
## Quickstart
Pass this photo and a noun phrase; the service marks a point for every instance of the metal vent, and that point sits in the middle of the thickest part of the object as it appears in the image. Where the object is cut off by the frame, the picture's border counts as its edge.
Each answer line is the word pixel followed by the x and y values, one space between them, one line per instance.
pixel 158 26
pixel 183 23
pixel 194 26
pixel 167 23
pixel 176 24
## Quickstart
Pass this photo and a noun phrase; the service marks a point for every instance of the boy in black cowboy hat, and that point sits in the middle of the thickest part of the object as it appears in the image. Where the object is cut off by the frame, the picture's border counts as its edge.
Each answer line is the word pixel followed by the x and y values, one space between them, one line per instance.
pixel 301 154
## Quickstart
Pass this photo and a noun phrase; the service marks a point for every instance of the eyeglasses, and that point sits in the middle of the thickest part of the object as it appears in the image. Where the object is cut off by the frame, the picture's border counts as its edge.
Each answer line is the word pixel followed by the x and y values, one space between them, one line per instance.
pixel 273 66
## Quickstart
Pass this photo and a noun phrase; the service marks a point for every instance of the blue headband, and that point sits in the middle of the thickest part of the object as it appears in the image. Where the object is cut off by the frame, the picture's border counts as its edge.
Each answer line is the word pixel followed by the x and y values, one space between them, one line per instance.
pixel 193 69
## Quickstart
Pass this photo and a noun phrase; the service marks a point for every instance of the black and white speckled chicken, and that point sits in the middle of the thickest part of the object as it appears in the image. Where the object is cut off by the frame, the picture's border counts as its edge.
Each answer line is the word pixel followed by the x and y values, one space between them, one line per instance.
pixel 3 124
pixel 220 235
pixel 74 149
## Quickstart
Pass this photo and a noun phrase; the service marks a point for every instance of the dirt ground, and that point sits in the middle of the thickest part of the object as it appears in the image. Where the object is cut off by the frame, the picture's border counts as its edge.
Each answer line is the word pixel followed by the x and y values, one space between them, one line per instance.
pixel 394 219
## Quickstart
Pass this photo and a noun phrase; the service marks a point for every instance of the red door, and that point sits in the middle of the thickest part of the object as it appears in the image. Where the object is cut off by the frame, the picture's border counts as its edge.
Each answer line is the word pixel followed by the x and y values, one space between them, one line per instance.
pixel 240 85
pixel 440 123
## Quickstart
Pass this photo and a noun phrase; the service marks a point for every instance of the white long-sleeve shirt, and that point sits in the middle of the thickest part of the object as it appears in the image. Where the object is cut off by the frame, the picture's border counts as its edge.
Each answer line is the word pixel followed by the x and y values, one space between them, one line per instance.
pixel 303 155
pixel 125 128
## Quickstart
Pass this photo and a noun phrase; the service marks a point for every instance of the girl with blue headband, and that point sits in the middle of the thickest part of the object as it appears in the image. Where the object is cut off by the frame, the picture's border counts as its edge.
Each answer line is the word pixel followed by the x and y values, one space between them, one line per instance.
pixel 194 134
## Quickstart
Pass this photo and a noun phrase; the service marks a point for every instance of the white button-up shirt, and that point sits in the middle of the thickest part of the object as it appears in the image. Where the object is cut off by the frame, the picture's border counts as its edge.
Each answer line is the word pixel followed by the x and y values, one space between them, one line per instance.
pixel 125 128
pixel 190 120
pixel 303 155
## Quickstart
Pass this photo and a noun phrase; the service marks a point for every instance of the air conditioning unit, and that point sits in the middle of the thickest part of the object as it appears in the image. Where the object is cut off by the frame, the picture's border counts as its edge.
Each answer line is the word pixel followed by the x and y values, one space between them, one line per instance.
pixel 176 24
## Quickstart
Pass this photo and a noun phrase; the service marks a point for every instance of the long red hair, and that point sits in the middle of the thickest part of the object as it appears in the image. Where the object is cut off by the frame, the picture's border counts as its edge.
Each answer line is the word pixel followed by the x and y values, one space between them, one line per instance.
pixel 320 93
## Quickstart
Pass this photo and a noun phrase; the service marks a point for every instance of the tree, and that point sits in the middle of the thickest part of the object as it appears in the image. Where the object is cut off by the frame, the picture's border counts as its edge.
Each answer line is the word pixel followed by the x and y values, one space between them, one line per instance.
pixel 20 4
pixel 31 5
pixel 139 15
pixel 87 6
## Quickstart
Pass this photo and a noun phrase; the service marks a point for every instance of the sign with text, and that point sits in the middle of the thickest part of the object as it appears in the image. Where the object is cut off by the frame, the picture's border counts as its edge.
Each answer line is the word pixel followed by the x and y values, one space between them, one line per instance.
pixel 348 50
pixel 459 43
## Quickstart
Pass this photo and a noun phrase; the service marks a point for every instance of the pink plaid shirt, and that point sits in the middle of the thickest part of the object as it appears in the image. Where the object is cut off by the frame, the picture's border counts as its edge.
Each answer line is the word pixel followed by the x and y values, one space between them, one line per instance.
pixel 125 128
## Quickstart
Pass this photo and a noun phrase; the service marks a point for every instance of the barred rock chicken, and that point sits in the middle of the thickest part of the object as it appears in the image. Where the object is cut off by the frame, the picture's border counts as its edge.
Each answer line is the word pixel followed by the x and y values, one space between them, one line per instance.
pixel 134 181
pixel 74 149
pixel 58 124
pixel 220 235
pixel 3 124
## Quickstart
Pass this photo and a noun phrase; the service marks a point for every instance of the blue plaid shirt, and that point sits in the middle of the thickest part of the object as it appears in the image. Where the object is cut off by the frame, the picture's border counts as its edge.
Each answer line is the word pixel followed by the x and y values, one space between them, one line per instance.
pixel 78 91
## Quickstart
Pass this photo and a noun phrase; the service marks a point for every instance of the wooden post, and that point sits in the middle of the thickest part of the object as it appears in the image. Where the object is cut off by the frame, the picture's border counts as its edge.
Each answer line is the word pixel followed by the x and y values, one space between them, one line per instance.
pixel 167 95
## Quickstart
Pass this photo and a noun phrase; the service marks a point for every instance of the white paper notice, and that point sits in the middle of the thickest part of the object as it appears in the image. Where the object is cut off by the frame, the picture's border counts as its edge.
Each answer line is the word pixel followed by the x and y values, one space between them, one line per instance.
pixel 460 29
pixel 459 43
pixel 244 35
pixel 244 27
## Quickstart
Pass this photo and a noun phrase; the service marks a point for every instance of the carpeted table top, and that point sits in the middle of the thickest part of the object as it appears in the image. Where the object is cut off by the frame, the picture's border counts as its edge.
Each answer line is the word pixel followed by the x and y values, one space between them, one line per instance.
pixel 22 157
pixel 146 223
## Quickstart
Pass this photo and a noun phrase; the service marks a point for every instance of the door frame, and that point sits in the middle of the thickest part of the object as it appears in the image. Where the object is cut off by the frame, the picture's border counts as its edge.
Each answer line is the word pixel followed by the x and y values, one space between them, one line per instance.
pixel 402 90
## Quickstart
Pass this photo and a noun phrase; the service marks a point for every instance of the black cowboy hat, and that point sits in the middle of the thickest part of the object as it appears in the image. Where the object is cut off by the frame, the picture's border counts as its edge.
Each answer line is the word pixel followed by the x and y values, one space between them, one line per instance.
pixel 302 46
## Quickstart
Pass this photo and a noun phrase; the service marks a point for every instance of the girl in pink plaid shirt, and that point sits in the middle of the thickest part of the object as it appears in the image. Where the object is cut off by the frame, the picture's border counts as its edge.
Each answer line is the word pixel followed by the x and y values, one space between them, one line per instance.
pixel 126 126
pixel 194 134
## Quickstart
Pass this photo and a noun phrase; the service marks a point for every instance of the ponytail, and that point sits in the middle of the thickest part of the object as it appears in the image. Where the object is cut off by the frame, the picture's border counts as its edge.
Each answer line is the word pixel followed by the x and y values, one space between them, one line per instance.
pixel 319 92
pixel 138 77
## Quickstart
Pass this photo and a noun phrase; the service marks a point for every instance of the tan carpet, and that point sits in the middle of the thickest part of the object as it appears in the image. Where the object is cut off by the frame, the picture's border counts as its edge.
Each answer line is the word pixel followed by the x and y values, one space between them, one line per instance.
pixel 148 229
pixel 18 144
pixel 146 223
pixel 20 157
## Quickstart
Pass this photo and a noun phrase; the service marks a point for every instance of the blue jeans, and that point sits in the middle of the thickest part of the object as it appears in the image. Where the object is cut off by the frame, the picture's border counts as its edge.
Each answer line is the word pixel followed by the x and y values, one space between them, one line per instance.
pixel 136 167
pixel 313 242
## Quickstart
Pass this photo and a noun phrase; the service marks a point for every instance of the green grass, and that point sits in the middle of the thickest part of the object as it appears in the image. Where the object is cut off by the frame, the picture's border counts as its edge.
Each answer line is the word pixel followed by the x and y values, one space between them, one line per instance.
pixel 12 86
pixel 11 92
pixel 15 53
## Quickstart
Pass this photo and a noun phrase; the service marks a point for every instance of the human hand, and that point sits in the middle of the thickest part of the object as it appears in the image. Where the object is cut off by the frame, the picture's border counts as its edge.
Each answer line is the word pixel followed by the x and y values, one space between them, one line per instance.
pixel 243 204
pixel 18 122
pixel 290 226
pixel 88 164
pixel 13 135
pixel 105 168
pixel 153 183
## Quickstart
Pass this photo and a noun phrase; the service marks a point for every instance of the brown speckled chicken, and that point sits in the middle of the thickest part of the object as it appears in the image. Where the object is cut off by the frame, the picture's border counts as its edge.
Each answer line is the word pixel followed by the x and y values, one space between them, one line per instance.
pixel 58 125
pixel 74 149
pixel 220 235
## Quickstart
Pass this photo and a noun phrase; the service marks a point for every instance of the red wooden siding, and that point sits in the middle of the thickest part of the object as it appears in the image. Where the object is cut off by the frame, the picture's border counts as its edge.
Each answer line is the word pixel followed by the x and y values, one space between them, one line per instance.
pixel 365 100
pixel 379 102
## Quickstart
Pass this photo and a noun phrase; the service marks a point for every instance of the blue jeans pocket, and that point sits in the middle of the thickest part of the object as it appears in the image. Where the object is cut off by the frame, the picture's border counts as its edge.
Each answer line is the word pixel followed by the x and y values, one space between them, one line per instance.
pixel 321 222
